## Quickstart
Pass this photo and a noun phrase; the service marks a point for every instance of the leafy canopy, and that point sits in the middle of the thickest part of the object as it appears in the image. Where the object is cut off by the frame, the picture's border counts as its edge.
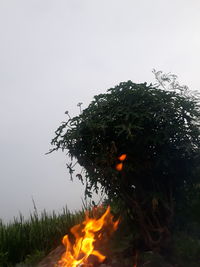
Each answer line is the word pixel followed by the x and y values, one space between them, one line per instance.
pixel 157 129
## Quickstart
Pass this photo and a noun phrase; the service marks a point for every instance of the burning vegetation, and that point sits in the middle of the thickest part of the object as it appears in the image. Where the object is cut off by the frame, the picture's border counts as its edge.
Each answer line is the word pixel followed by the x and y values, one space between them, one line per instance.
pixel 88 236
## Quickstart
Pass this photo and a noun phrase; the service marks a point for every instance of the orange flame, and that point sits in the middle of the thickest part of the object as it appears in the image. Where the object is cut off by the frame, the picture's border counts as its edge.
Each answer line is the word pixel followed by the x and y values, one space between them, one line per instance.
pixel 119 166
pixel 86 234
pixel 122 157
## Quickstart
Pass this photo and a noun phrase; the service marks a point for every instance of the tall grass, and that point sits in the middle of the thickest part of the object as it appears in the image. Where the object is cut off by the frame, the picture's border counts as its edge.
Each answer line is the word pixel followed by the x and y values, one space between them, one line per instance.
pixel 38 233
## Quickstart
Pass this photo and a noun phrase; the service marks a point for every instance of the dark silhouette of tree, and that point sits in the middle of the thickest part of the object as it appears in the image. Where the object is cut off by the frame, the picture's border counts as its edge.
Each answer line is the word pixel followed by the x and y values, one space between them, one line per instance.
pixel 141 144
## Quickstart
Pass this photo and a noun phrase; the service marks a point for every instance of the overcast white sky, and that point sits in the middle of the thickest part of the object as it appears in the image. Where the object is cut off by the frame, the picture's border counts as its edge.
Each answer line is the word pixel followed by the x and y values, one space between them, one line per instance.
pixel 54 54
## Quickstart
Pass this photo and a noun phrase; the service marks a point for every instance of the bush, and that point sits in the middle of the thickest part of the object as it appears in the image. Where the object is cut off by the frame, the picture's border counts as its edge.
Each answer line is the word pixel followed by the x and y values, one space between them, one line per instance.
pixel 141 144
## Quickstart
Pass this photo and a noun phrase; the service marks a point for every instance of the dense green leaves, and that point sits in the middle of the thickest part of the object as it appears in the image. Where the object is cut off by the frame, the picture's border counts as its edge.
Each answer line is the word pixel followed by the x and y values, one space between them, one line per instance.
pixel 157 129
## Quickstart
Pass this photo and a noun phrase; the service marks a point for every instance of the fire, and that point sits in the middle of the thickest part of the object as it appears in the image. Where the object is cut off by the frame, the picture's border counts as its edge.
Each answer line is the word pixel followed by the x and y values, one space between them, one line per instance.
pixel 86 235
pixel 122 157
pixel 119 166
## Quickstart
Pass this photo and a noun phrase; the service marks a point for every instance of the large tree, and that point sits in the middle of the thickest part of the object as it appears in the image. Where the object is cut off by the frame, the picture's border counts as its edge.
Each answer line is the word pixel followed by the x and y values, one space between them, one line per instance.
pixel 158 131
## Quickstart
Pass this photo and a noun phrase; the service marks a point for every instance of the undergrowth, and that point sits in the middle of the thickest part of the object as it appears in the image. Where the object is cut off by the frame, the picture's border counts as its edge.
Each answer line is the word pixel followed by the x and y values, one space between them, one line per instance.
pixel 21 239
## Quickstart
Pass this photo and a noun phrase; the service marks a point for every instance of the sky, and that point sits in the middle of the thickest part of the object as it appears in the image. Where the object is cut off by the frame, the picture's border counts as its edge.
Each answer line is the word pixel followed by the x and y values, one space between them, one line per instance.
pixel 57 53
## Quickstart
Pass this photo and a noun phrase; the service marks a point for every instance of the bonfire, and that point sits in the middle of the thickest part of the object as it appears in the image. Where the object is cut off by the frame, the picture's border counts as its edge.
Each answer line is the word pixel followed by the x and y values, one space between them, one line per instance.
pixel 88 237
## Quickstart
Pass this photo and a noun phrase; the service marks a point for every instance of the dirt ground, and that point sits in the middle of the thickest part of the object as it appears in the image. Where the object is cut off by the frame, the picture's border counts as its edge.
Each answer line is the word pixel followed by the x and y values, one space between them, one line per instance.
pixel 117 261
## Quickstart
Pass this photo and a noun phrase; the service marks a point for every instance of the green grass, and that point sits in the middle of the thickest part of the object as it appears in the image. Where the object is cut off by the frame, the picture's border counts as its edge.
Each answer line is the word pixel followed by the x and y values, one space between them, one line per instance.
pixel 28 241
pixel 39 234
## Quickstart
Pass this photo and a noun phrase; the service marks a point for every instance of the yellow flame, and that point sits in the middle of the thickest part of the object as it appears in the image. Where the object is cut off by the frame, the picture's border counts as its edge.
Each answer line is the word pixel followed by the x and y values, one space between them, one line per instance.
pixel 85 235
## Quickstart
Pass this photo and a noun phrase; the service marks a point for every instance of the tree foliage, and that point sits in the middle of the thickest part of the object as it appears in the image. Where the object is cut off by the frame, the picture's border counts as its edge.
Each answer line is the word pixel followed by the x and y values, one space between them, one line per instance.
pixel 158 130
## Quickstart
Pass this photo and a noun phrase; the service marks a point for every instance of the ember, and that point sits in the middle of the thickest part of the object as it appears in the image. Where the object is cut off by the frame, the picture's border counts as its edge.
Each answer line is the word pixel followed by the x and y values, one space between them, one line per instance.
pixel 121 158
pixel 86 235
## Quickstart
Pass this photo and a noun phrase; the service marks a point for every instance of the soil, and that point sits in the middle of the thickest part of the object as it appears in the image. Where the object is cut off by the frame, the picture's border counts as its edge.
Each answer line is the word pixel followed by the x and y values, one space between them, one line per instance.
pixel 117 260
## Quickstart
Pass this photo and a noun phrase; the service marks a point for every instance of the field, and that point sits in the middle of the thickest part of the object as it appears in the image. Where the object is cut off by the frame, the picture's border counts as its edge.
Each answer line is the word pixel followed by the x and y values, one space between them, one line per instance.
pixel 27 242
pixel 30 240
